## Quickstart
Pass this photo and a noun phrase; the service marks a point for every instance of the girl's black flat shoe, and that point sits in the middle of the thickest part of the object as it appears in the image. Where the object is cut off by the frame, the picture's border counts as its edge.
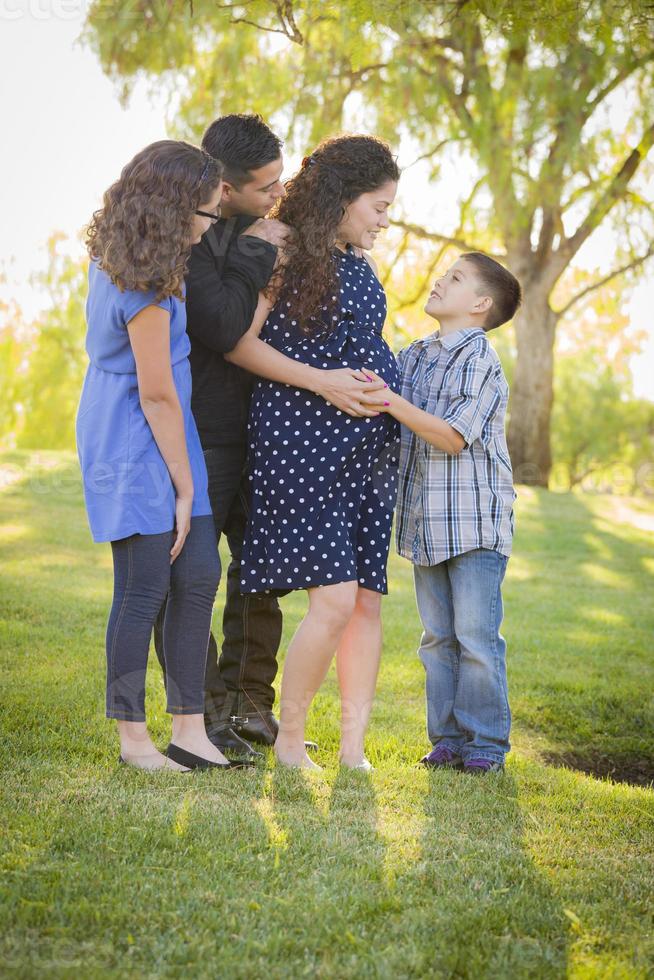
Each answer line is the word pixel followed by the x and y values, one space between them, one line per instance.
pixel 134 765
pixel 192 761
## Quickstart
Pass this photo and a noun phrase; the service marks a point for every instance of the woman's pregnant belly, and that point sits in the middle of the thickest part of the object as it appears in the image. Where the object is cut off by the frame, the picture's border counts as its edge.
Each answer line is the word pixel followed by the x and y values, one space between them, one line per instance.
pixel 347 346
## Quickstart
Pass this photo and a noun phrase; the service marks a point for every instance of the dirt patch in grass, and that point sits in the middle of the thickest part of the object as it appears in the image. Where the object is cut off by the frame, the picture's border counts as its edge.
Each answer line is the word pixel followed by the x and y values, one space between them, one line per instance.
pixel 637 771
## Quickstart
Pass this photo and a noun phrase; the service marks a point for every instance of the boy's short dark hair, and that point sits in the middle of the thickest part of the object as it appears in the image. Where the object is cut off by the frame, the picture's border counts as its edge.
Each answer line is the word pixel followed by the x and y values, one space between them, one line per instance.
pixel 500 284
pixel 242 142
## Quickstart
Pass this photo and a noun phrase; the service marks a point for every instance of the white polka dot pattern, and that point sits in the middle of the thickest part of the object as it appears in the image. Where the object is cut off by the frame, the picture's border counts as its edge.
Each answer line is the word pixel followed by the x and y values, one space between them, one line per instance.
pixel 323 483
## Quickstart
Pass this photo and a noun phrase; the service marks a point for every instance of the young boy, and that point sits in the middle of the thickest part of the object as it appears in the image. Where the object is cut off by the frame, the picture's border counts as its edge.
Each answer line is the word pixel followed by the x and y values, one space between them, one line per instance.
pixel 455 510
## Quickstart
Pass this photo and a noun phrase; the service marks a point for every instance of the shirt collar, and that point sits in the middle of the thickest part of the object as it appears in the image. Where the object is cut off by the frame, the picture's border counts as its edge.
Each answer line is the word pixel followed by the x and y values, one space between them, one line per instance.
pixel 452 341
pixel 460 337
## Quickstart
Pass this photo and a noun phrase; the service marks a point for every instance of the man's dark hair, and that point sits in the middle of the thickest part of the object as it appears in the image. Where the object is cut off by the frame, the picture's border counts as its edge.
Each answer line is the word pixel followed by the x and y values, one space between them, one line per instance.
pixel 500 284
pixel 242 142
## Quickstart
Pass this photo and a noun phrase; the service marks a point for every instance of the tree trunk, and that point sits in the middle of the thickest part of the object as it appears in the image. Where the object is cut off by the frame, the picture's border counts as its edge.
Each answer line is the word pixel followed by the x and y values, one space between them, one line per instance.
pixel 531 397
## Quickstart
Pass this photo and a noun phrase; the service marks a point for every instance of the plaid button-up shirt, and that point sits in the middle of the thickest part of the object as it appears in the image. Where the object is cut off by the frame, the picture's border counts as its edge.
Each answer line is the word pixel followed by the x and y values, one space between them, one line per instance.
pixel 451 504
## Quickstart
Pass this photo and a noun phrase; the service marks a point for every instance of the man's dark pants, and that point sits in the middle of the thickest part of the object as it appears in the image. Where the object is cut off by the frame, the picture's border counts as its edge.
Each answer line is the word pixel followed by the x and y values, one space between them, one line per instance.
pixel 240 683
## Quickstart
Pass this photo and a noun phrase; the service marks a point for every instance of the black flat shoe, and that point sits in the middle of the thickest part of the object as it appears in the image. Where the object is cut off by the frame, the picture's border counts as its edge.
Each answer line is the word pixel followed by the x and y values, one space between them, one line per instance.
pixel 262 728
pixel 228 742
pixel 132 765
pixel 192 761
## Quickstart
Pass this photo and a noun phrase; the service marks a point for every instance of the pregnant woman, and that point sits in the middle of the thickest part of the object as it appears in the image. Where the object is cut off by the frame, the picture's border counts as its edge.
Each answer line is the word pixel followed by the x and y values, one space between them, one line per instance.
pixel 145 480
pixel 322 487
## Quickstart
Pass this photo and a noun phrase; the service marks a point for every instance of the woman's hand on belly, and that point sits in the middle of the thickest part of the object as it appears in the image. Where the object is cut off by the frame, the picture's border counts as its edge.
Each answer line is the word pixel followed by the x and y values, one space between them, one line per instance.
pixel 354 392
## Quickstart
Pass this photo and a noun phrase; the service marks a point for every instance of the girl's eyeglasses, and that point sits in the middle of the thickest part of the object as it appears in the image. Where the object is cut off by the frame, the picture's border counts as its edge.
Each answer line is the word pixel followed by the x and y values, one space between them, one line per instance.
pixel 215 216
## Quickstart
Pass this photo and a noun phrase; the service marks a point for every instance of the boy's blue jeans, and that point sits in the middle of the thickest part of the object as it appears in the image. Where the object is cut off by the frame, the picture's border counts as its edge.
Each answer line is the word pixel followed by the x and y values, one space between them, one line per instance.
pixel 460 605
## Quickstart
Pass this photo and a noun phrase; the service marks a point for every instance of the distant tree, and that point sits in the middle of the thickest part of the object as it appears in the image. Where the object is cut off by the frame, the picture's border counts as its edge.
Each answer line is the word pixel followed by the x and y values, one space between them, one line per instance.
pixel 12 355
pixel 598 427
pixel 47 388
pixel 601 433
pixel 552 101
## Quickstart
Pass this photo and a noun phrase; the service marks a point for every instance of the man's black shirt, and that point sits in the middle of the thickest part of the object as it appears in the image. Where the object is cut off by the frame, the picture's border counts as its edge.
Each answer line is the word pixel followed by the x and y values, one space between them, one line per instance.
pixel 226 272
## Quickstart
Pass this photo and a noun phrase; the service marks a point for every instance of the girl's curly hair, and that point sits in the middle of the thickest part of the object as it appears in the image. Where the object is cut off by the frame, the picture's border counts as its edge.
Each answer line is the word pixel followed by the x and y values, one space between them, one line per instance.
pixel 339 170
pixel 141 237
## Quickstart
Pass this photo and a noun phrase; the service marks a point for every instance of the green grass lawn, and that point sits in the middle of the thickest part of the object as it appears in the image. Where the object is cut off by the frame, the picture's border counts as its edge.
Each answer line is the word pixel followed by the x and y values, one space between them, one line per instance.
pixel 543 871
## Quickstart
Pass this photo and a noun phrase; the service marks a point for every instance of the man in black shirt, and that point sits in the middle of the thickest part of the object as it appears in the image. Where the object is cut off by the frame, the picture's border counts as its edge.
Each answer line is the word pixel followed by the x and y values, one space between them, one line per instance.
pixel 227 269
pixel 234 260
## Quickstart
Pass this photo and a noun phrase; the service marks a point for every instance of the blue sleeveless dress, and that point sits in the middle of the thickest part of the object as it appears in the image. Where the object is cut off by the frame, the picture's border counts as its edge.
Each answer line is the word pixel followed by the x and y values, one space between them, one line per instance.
pixel 127 486
pixel 323 483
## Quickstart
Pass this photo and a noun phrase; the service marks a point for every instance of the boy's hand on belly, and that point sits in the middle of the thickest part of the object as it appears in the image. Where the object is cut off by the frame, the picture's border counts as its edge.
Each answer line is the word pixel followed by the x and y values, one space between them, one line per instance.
pixel 353 392
pixel 380 395
pixel 384 401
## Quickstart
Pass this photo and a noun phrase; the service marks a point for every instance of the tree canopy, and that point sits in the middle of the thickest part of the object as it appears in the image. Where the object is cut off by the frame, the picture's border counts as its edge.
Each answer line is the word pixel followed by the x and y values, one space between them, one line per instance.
pixel 551 103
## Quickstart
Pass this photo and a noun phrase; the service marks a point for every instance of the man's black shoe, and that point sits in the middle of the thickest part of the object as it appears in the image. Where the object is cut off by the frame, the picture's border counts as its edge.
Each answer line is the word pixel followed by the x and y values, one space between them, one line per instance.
pixel 230 744
pixel 262 728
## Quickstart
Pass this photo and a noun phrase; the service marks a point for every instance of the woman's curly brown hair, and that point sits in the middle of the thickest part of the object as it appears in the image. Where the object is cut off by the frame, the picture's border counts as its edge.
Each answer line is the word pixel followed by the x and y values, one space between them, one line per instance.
pixel 141 237
pixel 338 171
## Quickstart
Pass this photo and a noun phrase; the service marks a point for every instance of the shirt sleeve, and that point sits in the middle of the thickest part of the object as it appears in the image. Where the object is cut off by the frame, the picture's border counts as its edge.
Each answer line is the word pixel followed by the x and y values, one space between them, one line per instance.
pixel 220 306
pixel 474 398
pixel 132 302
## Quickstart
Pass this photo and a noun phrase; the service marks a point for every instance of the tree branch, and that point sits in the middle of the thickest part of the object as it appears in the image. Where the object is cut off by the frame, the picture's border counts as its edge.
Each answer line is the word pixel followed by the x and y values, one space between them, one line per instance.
pixel 399 252
pixel 456 100
pixel 433 236
pixel 634 264
pixel 494 140
pixel 259 27
pixel 233 6
pixel 427 43
pixel 419 292
pixel 620 76
pixel 613 193
pixel 592 185
pixel 576 82
pixel 285 13
pixel 410 300
pixel 574 114
pixel 357 75
pixel 436 149
pixel 575 478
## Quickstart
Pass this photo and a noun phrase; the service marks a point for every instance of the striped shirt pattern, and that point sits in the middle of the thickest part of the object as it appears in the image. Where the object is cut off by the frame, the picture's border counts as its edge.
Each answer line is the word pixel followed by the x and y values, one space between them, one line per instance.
pixel 448 505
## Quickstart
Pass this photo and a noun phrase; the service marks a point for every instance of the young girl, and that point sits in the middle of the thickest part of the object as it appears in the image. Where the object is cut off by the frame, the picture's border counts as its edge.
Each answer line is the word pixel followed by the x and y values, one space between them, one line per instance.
pixel 145 481
pixel 321 497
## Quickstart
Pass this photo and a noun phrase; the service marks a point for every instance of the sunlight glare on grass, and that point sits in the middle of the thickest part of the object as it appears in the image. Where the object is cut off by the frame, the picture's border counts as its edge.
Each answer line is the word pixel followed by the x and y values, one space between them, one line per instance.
pixel 608 617
pixel 277 836
pixel 600 549
pixel 519 569
pixel 603 575
pixel 12 532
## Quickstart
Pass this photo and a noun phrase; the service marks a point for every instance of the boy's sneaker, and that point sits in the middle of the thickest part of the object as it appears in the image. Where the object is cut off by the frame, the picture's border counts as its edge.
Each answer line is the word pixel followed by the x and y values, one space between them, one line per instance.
pixel 441 757
pixel 477 767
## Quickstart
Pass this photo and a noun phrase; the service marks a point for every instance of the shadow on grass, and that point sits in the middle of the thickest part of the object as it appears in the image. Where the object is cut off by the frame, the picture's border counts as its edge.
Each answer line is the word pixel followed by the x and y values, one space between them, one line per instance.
pixel 135 873
pixel 451 892
pixel 491 911
pixel 328 891
pixel 619 769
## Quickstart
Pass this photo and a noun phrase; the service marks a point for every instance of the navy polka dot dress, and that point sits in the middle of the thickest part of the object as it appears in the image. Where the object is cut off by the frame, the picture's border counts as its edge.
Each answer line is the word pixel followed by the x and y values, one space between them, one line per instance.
pixel 323 483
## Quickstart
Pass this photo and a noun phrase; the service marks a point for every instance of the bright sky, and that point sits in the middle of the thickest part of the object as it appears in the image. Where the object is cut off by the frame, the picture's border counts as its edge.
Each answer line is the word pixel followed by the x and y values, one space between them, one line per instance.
pixel 67 138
